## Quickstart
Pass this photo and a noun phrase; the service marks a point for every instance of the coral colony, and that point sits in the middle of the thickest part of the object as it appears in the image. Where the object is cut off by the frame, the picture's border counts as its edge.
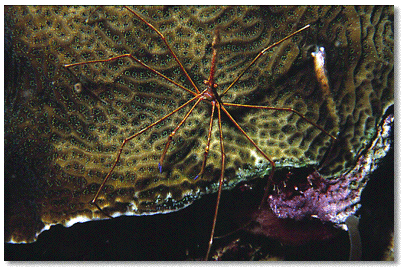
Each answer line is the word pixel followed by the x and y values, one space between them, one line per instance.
pixel 63 127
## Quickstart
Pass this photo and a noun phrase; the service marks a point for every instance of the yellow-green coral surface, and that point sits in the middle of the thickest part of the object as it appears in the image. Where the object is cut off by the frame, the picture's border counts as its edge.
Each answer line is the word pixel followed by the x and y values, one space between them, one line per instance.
pixel 61 142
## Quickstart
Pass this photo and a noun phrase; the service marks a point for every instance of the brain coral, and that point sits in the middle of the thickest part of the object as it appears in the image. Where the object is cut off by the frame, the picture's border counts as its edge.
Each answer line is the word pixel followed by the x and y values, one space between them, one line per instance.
pixel 63 127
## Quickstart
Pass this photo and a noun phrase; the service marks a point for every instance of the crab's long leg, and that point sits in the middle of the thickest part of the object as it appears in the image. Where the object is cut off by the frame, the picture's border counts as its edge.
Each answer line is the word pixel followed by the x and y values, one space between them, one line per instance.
pixel 208 143
pixel 219 192
pixel 260 54
pixel 281 109
pixel 269 108
pixel 138 61
pixel 170 137
pixel 259 150
pixel 168 46
pixel 93 201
